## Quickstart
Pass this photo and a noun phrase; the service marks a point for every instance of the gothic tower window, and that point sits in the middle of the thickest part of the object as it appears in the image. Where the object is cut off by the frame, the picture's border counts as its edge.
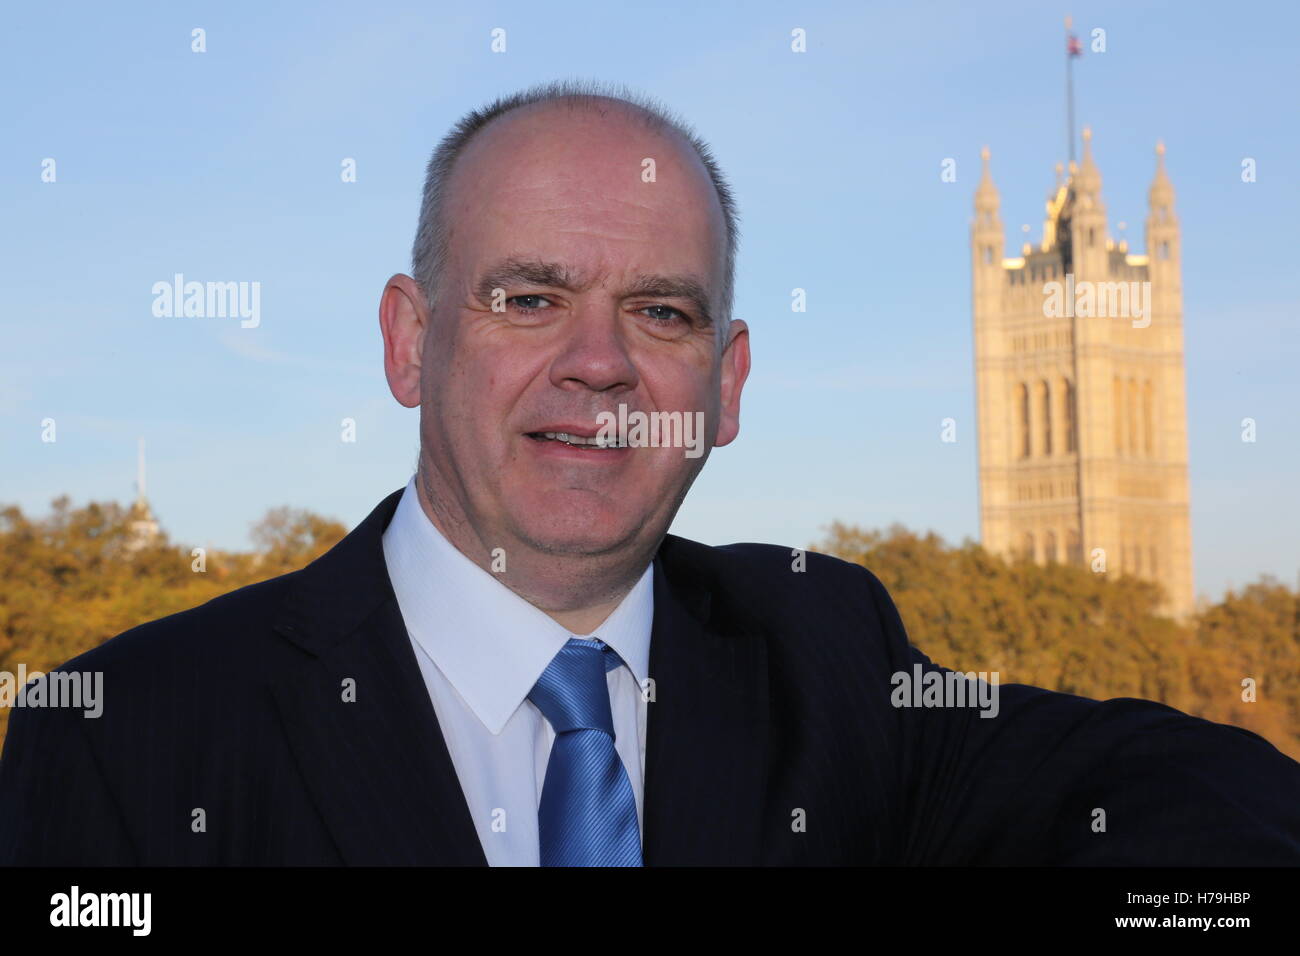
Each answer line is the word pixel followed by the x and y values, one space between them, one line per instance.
pixel 1068 388
pixel 1131 409
pixel 1074 547
pixel 1147 430
pixel 1117 399
pixel 1045 410
pixel 1022 407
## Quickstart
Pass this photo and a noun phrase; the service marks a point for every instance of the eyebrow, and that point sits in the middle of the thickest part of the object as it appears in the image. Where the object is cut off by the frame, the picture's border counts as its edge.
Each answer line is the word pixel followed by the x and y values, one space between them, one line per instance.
pixel 514 271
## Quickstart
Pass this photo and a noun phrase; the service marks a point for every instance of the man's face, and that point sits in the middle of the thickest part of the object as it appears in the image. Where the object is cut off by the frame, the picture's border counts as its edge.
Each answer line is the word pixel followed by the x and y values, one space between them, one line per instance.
pixel 552 219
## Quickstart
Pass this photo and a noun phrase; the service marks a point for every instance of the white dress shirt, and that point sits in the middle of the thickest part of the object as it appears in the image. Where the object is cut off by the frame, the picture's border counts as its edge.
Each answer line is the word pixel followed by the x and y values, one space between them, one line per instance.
pixel 481 648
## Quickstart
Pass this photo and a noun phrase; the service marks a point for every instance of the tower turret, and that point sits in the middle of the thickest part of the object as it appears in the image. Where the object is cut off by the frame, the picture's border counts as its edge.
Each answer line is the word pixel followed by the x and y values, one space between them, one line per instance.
pixel 1169 395
pixel 1162 223
pixel 1087 213
pixel 988 282
pixel 986 229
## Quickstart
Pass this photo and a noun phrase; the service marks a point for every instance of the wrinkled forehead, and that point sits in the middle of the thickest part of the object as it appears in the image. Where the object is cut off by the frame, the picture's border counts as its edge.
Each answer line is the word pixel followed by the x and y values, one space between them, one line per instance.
pixel 603 183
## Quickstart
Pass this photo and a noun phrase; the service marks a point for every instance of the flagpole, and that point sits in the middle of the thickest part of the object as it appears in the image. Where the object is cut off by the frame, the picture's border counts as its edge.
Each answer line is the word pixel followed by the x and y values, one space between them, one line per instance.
pixel 1069 91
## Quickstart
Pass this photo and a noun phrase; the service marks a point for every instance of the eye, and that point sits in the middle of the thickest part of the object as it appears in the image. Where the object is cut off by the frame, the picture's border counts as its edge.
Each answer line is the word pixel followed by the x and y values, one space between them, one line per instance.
pixel 528 309
pixel 675 315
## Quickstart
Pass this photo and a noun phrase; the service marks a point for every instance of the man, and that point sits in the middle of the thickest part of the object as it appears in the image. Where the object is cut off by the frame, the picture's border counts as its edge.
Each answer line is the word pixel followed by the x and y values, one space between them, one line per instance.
pixel 511 662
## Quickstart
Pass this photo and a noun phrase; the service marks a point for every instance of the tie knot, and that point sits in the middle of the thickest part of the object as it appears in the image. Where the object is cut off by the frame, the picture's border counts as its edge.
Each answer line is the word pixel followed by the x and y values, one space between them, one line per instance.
pixel 572 693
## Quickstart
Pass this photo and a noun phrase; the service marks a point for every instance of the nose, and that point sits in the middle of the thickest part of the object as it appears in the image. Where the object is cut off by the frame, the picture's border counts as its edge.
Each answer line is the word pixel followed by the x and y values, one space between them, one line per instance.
pixel 594 354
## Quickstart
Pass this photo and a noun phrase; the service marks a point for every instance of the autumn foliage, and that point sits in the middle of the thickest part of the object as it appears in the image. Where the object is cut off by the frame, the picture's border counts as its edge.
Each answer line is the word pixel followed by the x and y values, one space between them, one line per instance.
pixel 70 581
pixel 1097 635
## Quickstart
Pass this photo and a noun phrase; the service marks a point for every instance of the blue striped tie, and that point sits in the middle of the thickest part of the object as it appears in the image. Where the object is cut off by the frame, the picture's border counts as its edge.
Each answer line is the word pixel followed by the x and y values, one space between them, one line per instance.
pixel 587 816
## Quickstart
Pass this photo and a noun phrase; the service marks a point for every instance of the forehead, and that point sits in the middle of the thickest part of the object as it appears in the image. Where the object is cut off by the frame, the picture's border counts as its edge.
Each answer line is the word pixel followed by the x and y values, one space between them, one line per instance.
pixel 569 184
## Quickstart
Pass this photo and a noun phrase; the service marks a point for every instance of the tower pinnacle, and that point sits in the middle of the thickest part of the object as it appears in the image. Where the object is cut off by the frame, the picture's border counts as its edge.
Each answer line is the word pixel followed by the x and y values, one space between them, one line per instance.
pixel 986 194
pixel 1162 190
pixel 1087 177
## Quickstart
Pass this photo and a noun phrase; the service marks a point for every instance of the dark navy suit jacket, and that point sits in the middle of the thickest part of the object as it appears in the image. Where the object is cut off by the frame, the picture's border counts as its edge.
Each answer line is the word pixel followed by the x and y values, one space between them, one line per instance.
pixel 771 740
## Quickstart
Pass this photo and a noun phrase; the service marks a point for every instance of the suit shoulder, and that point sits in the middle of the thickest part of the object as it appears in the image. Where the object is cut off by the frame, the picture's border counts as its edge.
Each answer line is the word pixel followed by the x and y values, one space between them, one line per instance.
pixel 776 582
pixel 773 562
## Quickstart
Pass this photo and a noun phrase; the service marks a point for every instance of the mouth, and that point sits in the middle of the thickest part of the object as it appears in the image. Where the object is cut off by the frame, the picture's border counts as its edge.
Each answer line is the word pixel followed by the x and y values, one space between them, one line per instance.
pixel 584 442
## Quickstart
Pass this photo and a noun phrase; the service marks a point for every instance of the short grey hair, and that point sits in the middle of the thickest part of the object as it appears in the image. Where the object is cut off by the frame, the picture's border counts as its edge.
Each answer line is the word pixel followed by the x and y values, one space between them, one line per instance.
pixel 429 253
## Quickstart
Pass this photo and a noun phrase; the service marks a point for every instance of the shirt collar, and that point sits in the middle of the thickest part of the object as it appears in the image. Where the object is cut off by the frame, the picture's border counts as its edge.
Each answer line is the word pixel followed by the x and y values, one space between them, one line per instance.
pixel 490 643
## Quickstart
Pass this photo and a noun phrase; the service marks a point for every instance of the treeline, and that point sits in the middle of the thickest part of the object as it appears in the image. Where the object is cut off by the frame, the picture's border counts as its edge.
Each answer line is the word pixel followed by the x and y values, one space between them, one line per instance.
pixel 72 580
pixel 1066 628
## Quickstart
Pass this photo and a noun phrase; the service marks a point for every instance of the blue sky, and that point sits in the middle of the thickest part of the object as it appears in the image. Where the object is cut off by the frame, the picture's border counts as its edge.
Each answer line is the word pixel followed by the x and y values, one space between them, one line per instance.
pixel 225 166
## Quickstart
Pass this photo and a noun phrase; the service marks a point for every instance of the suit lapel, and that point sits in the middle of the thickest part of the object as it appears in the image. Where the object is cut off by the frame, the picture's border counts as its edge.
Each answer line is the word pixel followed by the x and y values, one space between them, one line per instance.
pixel 377 764
pixel 707 737
pixel 378 767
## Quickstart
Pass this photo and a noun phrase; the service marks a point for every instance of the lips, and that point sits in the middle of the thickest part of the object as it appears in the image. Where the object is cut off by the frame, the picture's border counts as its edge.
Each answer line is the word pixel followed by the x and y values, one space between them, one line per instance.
pixel 594 442
pixel 571 434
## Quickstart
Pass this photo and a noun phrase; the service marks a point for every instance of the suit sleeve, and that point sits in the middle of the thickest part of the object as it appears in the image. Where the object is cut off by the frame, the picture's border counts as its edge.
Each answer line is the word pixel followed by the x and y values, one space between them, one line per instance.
pixel 55 807
pixel 1056 779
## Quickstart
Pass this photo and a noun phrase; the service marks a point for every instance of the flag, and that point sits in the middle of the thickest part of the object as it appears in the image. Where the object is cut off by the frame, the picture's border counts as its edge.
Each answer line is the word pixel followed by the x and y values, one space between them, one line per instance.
pixel 1072 46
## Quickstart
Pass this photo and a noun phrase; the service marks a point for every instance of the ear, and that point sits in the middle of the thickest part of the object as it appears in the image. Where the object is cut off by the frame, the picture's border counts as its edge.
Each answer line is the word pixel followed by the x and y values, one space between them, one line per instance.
pixel 403 320
pixel 735 369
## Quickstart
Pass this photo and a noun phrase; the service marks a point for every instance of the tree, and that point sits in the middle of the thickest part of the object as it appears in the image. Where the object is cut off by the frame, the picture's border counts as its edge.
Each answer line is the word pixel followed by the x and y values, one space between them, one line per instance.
pixel 1065 628
pixel 69 581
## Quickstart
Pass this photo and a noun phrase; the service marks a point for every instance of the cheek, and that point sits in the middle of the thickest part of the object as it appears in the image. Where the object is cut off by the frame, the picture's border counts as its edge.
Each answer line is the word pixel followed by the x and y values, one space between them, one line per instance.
pixel 691 391
pixel 487 389
pixel 684 388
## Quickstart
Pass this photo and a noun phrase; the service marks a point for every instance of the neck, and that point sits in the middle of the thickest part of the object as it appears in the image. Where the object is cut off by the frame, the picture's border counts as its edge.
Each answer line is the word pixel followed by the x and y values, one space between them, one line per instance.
pixel 585 620
pixel 577 592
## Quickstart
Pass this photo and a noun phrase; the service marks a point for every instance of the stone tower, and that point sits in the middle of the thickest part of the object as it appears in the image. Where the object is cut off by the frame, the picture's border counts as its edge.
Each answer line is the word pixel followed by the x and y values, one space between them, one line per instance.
pixel 1080 396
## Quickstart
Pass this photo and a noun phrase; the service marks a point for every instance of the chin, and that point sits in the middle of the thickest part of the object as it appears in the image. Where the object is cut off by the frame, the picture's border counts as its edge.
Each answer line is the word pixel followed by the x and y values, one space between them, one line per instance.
pixel 577 529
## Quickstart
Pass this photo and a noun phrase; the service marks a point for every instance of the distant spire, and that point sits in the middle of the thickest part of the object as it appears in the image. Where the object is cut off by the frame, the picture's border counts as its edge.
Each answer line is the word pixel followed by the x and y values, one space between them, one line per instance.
pixel 1088 176
pixel 986 194
pixel 143 528
pixel 1162 190
pixel 139 475
pixel 1161 174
